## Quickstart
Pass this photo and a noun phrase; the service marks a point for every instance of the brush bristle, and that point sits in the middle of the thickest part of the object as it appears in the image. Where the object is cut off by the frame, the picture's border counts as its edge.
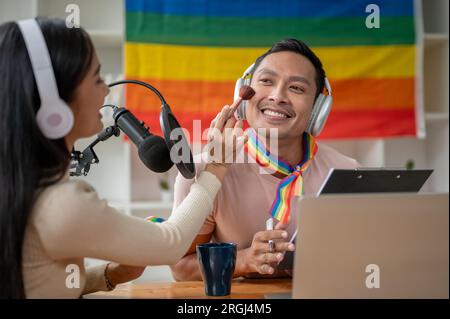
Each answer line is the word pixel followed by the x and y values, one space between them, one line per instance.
pixel 246 92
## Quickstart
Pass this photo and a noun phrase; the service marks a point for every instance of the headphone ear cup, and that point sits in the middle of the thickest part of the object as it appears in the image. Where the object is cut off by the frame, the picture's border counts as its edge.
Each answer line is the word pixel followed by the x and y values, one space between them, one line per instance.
pixel 315 110
pixel 55 120
pixel 319 115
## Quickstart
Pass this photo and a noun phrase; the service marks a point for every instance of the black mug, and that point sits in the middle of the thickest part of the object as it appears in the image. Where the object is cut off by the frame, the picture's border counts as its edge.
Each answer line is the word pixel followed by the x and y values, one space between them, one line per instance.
pixel 217 262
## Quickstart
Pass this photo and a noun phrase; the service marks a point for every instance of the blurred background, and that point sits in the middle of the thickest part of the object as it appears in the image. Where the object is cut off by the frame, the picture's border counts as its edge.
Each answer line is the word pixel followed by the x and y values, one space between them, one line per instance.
pixel 390 82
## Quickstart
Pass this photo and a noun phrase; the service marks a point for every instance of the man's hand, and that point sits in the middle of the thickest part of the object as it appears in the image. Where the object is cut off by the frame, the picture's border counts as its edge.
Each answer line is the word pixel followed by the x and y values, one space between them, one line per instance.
pixel 258 257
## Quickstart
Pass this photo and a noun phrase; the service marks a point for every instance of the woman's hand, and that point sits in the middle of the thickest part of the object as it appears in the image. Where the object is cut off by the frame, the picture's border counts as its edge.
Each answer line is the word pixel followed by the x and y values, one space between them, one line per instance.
pixel 225 139
pixel 117 273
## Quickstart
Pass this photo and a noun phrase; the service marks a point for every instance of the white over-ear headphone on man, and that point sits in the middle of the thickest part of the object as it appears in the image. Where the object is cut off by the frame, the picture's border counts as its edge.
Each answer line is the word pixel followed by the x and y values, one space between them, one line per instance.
pixel 54 117
pixel 319 115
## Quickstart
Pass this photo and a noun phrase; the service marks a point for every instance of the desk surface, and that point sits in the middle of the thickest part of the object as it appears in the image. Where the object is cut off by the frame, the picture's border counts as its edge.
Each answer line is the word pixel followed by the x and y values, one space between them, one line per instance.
pixel 240 289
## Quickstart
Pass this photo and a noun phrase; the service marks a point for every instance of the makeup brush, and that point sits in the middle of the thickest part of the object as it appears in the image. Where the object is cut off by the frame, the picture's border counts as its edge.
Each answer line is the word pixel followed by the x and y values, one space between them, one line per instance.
pixel 245 93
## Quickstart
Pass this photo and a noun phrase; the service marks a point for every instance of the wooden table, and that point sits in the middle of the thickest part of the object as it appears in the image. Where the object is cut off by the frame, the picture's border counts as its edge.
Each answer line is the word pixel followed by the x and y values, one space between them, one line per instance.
pixel 241 289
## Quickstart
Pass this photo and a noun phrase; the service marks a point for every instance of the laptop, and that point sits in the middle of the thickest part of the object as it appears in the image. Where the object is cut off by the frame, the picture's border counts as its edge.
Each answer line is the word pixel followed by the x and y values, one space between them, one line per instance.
pixel 372 246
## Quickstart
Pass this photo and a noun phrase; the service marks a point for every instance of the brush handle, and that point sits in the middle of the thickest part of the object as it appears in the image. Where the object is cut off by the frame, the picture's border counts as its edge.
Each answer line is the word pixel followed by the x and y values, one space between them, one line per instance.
pixel 234 106
pixel 269 226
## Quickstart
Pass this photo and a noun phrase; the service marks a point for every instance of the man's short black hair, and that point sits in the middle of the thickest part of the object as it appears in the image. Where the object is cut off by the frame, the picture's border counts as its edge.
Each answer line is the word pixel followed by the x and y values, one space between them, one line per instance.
pixel 297 46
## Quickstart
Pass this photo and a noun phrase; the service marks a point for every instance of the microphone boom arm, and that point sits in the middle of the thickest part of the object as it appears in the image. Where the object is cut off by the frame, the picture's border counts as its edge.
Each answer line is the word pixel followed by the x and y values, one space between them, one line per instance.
pixel 81 161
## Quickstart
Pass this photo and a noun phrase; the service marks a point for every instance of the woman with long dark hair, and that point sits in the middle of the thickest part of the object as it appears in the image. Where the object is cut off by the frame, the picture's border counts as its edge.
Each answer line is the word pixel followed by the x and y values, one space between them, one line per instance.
pixel 48 222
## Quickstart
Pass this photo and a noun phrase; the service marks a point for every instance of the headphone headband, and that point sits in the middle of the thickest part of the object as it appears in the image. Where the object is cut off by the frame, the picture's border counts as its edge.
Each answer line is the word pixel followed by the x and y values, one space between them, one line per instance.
pixel 327 85
pixel 248 71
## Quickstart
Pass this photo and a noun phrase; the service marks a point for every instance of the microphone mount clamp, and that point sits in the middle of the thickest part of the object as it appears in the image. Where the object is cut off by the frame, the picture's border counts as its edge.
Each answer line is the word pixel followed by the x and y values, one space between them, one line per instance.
pixel 81 161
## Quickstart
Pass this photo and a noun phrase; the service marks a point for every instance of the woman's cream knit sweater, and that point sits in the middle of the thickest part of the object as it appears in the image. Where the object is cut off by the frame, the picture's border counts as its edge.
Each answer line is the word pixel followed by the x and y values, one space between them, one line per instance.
pixel 69 222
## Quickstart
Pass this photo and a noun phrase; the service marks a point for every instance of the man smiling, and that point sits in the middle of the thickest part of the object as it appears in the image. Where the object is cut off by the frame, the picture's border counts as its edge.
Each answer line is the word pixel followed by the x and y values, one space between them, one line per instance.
pixel 288 79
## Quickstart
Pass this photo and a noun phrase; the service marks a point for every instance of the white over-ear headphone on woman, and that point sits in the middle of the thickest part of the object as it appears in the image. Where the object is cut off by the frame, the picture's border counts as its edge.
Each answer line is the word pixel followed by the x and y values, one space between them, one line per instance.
pixel 54 117
pixel 320 112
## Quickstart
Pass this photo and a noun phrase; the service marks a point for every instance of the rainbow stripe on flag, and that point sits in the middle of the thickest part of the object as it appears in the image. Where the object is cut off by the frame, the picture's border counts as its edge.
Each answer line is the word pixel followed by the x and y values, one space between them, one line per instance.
pixel 194 50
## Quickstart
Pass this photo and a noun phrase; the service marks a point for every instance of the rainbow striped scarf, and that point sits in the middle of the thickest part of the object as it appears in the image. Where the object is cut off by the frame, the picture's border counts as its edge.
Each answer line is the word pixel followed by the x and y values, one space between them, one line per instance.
pixel 292 184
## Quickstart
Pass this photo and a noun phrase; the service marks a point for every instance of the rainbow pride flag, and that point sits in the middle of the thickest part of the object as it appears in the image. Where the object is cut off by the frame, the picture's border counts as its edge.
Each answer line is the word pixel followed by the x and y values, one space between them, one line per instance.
pixel 194 50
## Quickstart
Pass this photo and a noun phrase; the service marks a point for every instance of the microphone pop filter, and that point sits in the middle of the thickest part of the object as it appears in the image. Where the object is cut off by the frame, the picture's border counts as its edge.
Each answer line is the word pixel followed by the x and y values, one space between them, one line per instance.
pixel 184 160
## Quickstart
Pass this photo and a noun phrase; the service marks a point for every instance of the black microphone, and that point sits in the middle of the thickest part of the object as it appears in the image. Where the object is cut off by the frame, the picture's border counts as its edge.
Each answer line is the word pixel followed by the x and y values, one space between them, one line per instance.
pixel 152 149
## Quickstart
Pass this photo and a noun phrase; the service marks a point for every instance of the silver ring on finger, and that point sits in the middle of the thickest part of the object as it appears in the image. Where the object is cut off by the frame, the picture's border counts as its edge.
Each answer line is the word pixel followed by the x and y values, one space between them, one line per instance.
pixel 271 246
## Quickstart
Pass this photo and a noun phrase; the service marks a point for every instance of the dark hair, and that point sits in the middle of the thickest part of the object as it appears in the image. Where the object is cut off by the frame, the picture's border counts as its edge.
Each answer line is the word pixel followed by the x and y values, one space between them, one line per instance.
pixel 301 48
pixel 28 160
